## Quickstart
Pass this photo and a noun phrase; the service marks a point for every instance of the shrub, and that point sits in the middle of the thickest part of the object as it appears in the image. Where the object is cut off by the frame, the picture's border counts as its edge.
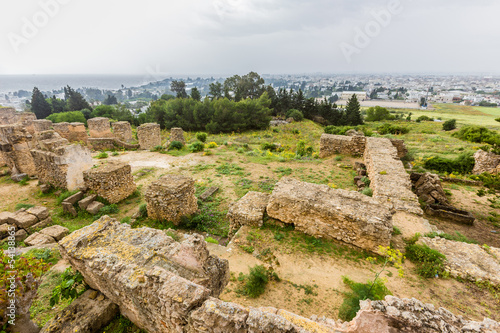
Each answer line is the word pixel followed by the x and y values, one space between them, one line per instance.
pixel 212 145
pixel 102 155
pixel 269 146
pixel 424 118
pixel 450 125
pixel 106 210
pixel 157 148
pixel 367 191
pixel 378 113
pixel 478 134
pixel 463 164
pixel 211 240
pixel 489 180
pixel 196 147
pixel 71 286
pixel 115 153
pixel 429 262
pixel 175 145
pixel 360 291
pixel 70 117
pixel 201 136
pixel 302 150
pixel 392 129
pixel 257 281
pixel 295 114
pixel 143 210
pixel 240 150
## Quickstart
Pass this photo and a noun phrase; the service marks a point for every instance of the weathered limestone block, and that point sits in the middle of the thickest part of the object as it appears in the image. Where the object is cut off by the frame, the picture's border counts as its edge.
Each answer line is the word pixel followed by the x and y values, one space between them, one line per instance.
pixel 171 197
pixel 149 135
pixel 177 134
pixel 450 213
pixel 122 131
pixel 56 231
pixel 69 208
pixel 23 219
pixel 94 207
pixel 8 116
pixel 41 125
pixel 468 261
pixel 62 129
pixel 15 144
pixel 5 216
pixel 74 198
pixel 410 315
pixel 20 235
pixel 249 210
pixel 89 313
pixel 39 239
pixel 84 203
pixel 155 280
pixel 340 144
pixel 208 193
pixel 49 140
pixel 321 211
pixel 109 144
pixel 40 225
pixel 428 188
pixel 112 181
pixel 388 177
pixel 40 212
pixel 77 132
pixel 400 147
pixel 99 128
pixel 5 229
pixel 485 162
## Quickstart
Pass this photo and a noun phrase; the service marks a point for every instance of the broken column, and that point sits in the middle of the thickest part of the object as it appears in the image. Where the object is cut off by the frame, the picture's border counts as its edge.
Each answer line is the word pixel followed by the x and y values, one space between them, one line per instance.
pixel 249 210
pixel 15 145
pixel 99 128
pixel 41 125
pixel 112 181
pixel 122 131
pixel 155 280
pixel 149 135
pixel 321 211
pixel 170 198
pixel 177 134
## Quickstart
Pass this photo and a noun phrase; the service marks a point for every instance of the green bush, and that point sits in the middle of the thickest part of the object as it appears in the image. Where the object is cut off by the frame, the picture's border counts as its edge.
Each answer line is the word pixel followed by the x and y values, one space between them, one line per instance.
pixel 392 129
pixel 201 136
pixel 424 118
pixel 102 155
pixel 478 134
pixel 175 145
pixel 71 286
pixel 463 164
pixel 106 210
pixel 360 291
pixel 143 210
pixel 367 191
pixel 450 125
pixel 378 113
pixel 70 117
pixel 430 263
pixel 257 281
pixel 489 180
pixel 302 150
pixel 269 146
pixel 157 148
pixel 295 114
pixel 196 147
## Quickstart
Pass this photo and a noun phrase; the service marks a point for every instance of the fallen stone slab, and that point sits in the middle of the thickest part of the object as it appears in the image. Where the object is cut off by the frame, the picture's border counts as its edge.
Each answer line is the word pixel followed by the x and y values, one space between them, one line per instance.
pixel 94 207
pixel 87 314
pixel 468 261
pixel 40 225
pixel 5 229
pixel 69 208
pixel 450 214
pixel 18 177
pixel 39 239
pixel 4 217
pixel 208 193
pixel 428 188
pixel 85 202
pixel 74 198
pixel 321 211
pixel 331 144
pixel 20 235
pixel 23 219
pixel 56 231
pixel 249 210
pixel 39 211
pixel 155 280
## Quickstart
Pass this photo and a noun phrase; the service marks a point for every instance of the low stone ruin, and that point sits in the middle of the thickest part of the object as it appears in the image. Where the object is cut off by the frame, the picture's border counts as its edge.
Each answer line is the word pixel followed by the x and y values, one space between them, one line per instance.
pixel 73 132
pixel 9 116
pixel 331 144
pixel 177 134
pixel 89 203
pixel 155 280
pixel 99 128
pixel 249 210
pixel 122 131
pixel 41 125
pixel 321 211
pixel 15 145
pixel 170 198
pixel 468 261
pixel 109 144
pixel 450 213
pixel 428 188
pixel 111 181
pixel 486 162
pixel 58 164
pixel 149 135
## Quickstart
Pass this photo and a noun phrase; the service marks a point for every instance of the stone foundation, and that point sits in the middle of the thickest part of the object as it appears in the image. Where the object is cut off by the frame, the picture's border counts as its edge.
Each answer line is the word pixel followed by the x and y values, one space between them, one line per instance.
pixel 122 131
pixel 99 128
pixel 149 135
pixel 321 211
pixel 486 162
pixel 111 181
pixel 15 145
pixel 171 197
pixel 341 144
pixel 109 144
pixel 41 125
pixel 249 210
pixel 177 134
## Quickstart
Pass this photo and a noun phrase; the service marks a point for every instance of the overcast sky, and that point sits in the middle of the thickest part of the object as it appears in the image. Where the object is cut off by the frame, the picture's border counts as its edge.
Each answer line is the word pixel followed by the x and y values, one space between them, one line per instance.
pixel 236 36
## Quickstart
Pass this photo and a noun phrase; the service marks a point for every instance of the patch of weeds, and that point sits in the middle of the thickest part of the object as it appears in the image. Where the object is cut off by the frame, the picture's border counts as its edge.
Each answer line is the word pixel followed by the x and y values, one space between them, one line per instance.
pixel 202 167
pixel 106 210
pixel 121 324
pixel 338 158
pixel 282 171
pixel 481 192
pixel 173 234
pixel 458 237
pixel 396 231
pixel 308 289
pixel 367 191
pixel 230 170
pixel 267 185
pixel 209 219
pixel 47 255
pixel 126 220
pixel 430 263
pixel 102 155
pixel 247 248
pixel 115 153
pixel 24 181
pixel 23 205
pixel 256 281
pixel 211 240
pixel 143 210
pixel 71 286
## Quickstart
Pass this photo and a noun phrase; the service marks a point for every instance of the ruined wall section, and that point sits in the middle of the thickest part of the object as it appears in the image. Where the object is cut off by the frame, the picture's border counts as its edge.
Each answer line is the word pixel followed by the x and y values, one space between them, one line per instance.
pixel 15 145
pixel 111 181
pixel 331 144
pixel 99 128
pixel 149 135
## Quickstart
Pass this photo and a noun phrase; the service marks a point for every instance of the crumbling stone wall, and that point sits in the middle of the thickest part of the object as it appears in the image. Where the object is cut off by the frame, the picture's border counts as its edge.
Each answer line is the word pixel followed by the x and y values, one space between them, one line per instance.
pixel 249 210
pixel 109 144
pixel 113 181
pixel 9 116
pixel 321 211
pixel 400 147
pixel 77 132
pixel 15 145
pixel 59 164
pixel 41 125
pixel 486 162
pixel 331 144
pixel 122 131
pixel 149 135
pixel 99 128
pixel 171 197
pixel 177 134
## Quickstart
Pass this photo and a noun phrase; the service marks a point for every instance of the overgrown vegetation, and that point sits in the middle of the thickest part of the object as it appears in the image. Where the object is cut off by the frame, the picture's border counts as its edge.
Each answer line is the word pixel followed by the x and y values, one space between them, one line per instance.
pixel 429 262
pixel 478 134
pixel 72 285
pixel 463 164
pixel 458 237
pixel 392 129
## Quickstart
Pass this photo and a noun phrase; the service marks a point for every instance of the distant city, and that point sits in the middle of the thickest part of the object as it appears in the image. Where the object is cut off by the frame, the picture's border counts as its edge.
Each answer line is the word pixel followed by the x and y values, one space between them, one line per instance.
pixel 398 91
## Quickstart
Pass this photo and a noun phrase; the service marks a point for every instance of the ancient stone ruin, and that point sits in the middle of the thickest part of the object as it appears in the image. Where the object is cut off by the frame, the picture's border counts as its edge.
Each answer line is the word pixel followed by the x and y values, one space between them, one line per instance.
pixel 41 125
pixel 9 116
pixel 15 146
pixel 170 198
pixel 149 135
pixel 249 210
pixel 177 134
pixel 73 132
pixel 99 128
pixel 111 181
pixel 122 131
pixel 486 162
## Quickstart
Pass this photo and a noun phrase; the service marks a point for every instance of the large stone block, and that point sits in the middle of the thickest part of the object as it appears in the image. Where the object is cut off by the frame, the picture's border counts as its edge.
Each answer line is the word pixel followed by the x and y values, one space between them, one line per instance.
pixel 99 128
pixel 340 144
pixel 39 239
pixel 15 144
pixel 41 125
pixel 249 210
pixel 155 280
pixel 122 131
pixel 112 181
pixel 321 211
pixel 177 134
pixel 23 219
pixel 56 231
pixel 485 162
pixel 149 135
pixel 171 197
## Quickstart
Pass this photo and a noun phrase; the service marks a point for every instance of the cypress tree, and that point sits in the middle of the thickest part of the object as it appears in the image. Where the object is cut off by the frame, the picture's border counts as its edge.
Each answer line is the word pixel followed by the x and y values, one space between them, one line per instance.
pixel 39 105
pixel 352 112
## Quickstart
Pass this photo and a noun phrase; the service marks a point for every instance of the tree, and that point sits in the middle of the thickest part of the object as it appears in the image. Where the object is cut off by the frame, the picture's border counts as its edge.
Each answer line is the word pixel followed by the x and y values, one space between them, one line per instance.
pixel 129 94
pixel 352 112
pixel 75 100
pixel 195 94
pixel 215 90
pixel 450 125
pixel 179 87
pixel 377 114
pixel 57 104
pixel 110 100
pixel 39 105
pixel 238 87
